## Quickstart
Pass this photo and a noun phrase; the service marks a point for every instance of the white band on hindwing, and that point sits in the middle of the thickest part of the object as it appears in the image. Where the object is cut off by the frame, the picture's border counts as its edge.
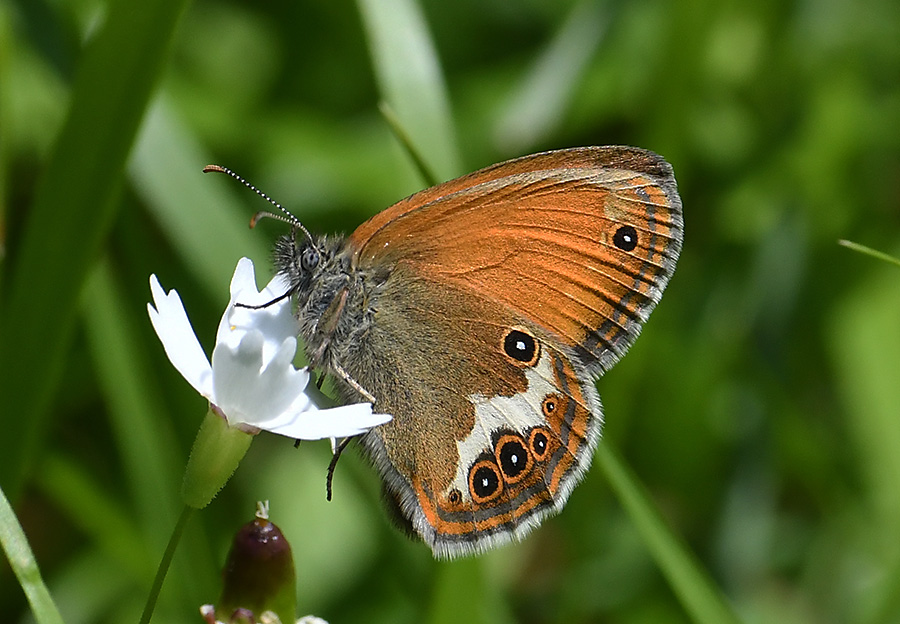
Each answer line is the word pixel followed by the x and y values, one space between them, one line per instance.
pixel 518 413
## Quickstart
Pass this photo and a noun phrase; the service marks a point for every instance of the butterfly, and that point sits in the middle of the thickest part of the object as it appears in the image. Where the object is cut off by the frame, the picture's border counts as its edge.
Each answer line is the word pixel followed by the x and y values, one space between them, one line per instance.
pixel 479 313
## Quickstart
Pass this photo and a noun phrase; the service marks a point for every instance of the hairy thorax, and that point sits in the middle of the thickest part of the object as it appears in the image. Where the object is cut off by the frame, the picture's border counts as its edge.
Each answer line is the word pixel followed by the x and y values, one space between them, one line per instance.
pixel 335 301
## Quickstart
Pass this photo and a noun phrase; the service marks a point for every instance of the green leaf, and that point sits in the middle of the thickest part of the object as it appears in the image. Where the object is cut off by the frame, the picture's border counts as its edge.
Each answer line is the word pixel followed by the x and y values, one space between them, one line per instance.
pixel 144 439
pixel 23 564
pixel 864 339
pixel 74 207
pixel 201 214
pixel 466 577
pixel 410 79
pixel 165 563
pixel 698 594
pixel 406 142
pixel 141 424
pixel 97 513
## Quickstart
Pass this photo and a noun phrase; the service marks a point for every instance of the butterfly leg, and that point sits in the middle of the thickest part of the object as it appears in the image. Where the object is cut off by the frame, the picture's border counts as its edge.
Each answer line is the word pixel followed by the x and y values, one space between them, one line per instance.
pixel 339 370
pixel 280 297
pixel 336 451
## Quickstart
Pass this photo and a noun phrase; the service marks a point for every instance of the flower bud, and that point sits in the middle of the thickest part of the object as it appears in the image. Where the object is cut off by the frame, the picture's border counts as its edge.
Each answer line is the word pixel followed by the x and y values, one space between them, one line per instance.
pixel 259 574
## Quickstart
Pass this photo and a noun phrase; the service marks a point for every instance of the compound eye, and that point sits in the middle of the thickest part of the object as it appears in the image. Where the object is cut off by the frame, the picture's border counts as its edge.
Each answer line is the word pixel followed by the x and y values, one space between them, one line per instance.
pixel 309 258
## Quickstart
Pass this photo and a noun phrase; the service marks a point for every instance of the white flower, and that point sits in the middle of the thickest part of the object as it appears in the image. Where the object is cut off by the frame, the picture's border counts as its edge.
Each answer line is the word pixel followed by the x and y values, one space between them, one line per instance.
pixel 252 380
pixel 208 612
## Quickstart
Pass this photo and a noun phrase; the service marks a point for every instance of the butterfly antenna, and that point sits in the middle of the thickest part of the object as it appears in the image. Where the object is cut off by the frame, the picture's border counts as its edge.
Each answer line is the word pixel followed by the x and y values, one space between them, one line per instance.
pixel 286 216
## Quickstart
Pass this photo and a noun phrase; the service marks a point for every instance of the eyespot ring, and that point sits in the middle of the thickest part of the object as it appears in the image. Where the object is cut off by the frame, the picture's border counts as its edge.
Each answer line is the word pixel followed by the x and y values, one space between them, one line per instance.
pixel 521 347
pixel 625 237
pixel 485 481
pixel 539 443
pixel 513 457
pixel 551 404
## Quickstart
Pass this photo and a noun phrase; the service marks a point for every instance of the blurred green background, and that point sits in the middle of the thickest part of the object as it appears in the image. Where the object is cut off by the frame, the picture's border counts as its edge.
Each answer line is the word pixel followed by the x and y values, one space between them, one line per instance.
pixel 761 407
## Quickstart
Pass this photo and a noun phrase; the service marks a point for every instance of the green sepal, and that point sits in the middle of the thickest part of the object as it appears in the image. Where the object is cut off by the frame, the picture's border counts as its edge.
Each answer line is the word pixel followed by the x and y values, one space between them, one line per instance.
pixel 217 451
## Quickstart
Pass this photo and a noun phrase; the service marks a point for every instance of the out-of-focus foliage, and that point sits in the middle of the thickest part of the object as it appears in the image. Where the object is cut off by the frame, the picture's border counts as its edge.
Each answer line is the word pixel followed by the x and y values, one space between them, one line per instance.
pixel 761 407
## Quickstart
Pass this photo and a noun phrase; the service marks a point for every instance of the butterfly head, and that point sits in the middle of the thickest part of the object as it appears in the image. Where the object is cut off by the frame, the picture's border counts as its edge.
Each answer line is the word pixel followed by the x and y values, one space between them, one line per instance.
pixel 298 258
pixel 317 269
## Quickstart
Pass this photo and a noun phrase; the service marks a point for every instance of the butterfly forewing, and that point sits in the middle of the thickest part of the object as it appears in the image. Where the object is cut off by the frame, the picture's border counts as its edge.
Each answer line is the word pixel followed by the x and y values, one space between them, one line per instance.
pixel 581 242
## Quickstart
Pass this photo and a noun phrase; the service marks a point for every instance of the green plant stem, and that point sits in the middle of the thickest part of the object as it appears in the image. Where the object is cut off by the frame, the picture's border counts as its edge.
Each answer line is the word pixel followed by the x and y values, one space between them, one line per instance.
pixel 699 596
pixel 21 560
pixel 165 563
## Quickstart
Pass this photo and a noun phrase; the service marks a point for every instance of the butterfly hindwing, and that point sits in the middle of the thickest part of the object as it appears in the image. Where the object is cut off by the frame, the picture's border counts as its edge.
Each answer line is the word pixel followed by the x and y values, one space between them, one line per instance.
pixel 493 423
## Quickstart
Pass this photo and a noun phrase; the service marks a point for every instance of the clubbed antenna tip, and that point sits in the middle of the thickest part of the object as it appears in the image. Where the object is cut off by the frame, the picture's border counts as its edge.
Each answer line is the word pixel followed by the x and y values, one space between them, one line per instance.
pixel 286 216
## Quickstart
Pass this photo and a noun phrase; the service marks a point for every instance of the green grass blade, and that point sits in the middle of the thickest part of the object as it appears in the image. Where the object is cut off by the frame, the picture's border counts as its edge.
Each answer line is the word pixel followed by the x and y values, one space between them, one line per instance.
pixel 206 217
pixel 143 440
pixel 539 104
pixel 863 334
pixel 410 79
pixel 142 431
pixel 23 564
pixel 165 563
pixel 412 151
pixel 89 586
pixel 466 577
pixel 73 210
pixel 698 594
pixel 96 512
pixel 880 255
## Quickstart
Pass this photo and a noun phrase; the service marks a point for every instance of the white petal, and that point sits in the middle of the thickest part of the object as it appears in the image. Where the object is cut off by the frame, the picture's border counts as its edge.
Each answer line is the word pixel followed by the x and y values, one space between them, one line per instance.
pixel 316 424
pixel 252 379
pixel 178 338
pixel 248 392
pixel 274 319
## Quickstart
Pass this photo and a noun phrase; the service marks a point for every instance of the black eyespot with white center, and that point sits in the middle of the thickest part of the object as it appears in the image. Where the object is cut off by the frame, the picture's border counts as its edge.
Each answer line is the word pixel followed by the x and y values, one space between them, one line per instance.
pixel 625 238
pixel 521 347
pixel 514 459
pixel 485 481
pixel 309 258
pixel 539 443
pixel 550 405
pixel 455 496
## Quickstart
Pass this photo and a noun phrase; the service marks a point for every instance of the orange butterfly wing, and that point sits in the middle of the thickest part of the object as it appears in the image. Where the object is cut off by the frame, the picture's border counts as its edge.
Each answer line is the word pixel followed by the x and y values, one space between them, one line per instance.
pixel 562 255
pixel 580 241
